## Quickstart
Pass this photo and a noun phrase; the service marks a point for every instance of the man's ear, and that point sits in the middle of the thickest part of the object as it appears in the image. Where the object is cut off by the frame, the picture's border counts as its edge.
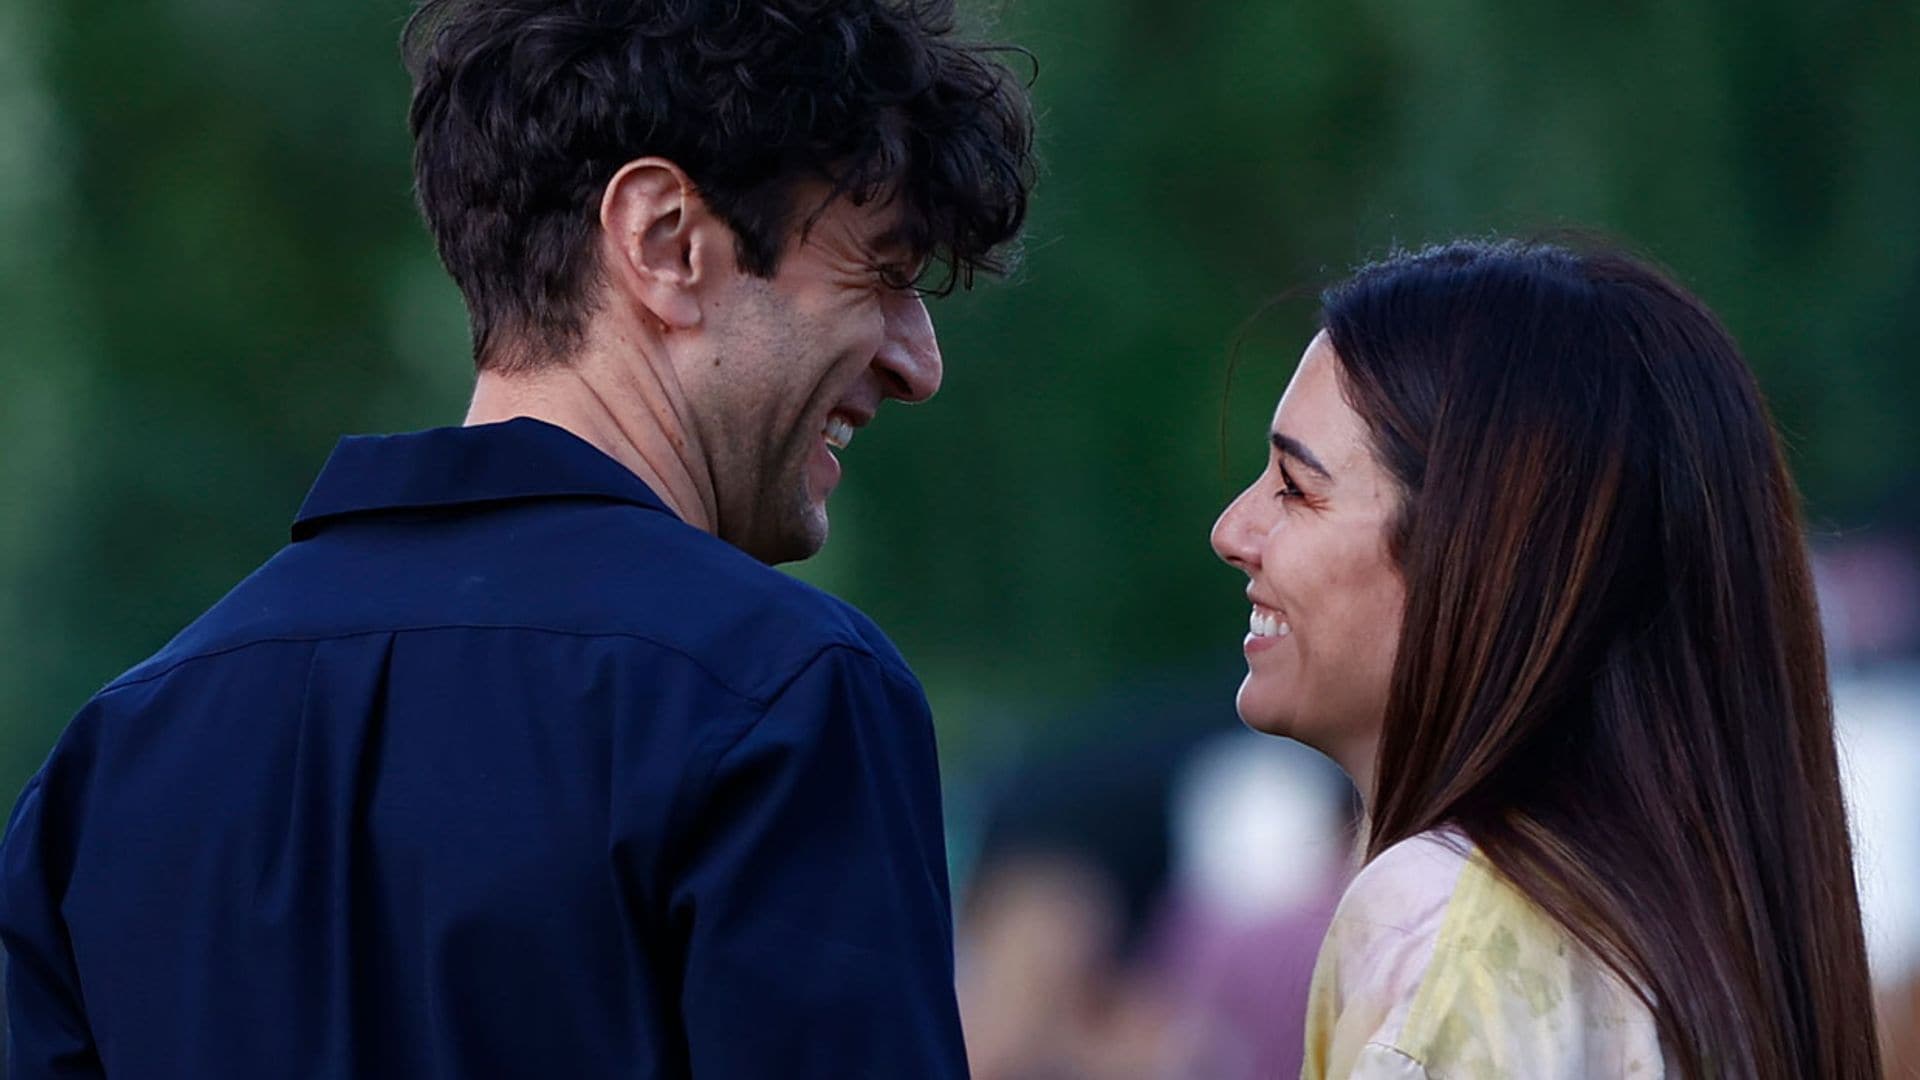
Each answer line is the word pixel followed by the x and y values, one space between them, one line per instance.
pixel 661 243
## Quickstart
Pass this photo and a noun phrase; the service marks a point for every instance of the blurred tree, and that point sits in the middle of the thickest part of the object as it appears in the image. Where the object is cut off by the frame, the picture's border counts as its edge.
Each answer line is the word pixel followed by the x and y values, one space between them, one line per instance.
pixel 209 267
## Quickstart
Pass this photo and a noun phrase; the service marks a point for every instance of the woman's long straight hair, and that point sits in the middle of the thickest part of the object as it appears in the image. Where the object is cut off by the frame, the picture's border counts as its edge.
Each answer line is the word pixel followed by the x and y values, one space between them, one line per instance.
pixel 1612 676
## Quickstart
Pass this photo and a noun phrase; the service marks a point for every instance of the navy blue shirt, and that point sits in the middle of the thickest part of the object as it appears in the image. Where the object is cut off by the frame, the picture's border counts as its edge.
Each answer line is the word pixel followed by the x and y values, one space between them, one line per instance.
pixel 499 769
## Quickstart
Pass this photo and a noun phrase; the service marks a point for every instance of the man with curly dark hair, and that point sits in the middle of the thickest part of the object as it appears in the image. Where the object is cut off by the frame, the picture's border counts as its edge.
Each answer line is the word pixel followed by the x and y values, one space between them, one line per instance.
pixel 520 760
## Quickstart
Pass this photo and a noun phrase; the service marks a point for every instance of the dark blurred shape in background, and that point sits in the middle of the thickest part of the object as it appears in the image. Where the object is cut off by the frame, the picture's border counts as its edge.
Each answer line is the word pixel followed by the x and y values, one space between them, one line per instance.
pixel 209 268
pixel 1152 909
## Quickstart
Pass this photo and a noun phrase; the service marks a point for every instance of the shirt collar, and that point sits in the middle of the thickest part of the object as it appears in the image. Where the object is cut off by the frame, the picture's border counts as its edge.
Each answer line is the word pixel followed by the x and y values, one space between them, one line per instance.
pixel 516 459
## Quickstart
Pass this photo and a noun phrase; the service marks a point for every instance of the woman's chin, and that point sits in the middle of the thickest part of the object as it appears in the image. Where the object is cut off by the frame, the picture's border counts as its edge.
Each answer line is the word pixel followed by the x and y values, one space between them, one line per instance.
pixel 1262 716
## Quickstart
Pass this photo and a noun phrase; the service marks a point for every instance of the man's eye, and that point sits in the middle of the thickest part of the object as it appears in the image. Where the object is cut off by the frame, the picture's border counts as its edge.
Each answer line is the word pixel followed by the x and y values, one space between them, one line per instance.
pixel 897 276
pixel 1288 489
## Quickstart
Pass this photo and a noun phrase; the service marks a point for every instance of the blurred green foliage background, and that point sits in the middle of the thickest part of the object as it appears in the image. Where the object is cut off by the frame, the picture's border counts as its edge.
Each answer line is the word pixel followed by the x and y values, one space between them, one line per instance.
pixel 210 268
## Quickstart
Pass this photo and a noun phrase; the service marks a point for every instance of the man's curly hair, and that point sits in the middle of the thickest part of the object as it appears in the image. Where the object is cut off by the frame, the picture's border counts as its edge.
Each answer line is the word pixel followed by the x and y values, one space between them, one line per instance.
pixel 523 110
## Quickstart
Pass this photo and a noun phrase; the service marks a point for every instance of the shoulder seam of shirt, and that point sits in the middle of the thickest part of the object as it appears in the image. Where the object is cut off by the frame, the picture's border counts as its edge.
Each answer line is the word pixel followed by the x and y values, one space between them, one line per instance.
pixel 1409 1058
pixel 733 740
pixel 879 662
pixel 123 682
pixel 1374 924
pixel 887 667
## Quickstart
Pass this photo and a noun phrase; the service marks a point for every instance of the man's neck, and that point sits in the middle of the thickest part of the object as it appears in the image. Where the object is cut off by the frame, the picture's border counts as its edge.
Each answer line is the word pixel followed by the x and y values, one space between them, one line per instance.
pixel 624 408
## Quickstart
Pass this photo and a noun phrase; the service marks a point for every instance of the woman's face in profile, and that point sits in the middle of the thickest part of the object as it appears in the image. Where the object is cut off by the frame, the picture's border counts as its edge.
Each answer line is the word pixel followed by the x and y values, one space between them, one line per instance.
pixel 1311 536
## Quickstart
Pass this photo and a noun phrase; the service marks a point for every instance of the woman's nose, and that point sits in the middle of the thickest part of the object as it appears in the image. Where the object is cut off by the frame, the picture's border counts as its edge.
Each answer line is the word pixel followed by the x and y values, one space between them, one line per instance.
pixel 1236 536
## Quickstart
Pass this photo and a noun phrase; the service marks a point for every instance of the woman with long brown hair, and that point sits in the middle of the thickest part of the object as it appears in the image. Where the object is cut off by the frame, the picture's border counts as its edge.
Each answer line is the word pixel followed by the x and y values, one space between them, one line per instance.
pixel 1526 561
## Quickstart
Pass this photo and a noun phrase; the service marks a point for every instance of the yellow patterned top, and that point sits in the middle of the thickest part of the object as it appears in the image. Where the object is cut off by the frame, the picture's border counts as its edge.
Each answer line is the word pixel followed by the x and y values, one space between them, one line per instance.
pixel 1437 968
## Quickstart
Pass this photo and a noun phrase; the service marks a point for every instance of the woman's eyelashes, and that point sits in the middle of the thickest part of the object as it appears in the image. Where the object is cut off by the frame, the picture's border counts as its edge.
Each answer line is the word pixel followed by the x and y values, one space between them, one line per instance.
pixel 1288 489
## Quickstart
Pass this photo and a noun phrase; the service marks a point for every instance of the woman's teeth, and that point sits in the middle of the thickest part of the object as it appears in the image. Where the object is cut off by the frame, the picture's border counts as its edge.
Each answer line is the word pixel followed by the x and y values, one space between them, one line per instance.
pixel 1267 625
pixel 838 432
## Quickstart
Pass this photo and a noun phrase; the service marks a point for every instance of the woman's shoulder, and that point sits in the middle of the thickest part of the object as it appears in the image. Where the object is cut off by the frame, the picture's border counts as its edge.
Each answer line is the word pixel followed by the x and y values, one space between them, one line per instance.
pixel 1406 888
pixel 1381 942
pixel 1435 958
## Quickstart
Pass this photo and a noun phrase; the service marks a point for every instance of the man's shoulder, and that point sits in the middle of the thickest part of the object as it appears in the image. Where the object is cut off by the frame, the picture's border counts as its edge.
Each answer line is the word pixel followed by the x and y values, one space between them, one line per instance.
pixel 748 612
pixel 678 587
pixel 639 580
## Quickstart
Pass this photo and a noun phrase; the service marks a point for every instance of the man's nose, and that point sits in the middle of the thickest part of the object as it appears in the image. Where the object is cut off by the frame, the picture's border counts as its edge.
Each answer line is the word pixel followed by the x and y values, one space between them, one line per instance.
pixel 909 358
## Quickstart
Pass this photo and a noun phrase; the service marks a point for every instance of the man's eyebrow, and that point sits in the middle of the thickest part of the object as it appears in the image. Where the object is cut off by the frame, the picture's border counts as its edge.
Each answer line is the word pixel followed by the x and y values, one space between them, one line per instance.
pixel 888 241
pixel 896 243
pixel 1295 449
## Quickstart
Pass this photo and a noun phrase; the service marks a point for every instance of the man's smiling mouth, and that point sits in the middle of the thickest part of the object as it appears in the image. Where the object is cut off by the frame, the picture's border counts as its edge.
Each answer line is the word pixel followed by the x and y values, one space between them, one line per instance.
pixel 838 432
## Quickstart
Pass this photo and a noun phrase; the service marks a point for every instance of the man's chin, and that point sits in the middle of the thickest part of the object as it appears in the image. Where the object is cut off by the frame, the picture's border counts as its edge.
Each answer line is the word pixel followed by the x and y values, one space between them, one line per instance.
pixel 798 538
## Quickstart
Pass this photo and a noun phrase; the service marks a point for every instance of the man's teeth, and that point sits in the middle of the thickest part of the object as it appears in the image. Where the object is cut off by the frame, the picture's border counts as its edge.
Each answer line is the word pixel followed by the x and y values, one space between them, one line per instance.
pixel 838 432
pixel 1267 625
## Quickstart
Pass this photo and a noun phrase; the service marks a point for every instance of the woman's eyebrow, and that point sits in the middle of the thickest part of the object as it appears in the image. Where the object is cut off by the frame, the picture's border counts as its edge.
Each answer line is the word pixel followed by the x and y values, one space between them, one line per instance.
pixel 1295 449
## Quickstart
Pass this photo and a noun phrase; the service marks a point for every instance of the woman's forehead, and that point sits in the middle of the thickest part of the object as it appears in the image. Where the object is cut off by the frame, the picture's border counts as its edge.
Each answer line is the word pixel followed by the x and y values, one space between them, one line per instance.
pixel 1314 410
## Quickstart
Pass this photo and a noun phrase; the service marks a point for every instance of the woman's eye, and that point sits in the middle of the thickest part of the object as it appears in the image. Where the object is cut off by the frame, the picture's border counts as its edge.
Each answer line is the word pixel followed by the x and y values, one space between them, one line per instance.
pixel 1287 488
